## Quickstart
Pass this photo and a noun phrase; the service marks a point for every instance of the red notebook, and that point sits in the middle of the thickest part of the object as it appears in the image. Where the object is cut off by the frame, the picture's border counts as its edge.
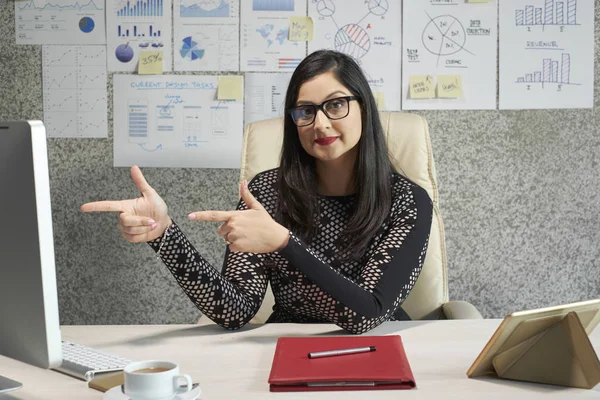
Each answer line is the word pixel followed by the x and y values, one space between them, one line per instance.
pixel 385 368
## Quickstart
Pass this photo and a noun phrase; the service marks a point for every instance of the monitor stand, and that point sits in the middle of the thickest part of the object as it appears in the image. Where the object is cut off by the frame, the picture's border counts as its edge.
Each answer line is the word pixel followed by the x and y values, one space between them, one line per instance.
pixel 8 385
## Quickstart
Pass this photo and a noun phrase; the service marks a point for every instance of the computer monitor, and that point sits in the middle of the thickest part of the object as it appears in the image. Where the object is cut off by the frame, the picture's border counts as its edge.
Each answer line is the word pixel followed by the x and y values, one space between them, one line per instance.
pixel 29 319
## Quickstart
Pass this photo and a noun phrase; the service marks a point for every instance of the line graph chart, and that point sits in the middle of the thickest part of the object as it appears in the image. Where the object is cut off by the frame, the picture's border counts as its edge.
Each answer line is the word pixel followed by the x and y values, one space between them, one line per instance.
pixel 91 5
pixel 60 21
pixel 205 9
pixel 74 91
pixel 92 102
pixel 56 79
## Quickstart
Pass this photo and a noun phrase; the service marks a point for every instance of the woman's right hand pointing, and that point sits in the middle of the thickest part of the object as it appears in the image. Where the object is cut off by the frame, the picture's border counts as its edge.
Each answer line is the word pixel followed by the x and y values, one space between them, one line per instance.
pixel 140 220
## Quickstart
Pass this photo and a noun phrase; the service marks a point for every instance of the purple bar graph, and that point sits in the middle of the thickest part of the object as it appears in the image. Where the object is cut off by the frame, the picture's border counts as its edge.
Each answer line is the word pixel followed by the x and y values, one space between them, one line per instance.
pixel 553 13
pixel 519 17
pixel 538 16
pixel 142 30
pixel 141 8
pixel 551 71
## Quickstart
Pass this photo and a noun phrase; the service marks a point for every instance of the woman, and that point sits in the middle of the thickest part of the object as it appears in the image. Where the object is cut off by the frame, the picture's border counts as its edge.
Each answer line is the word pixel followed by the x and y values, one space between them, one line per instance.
pixel 340 236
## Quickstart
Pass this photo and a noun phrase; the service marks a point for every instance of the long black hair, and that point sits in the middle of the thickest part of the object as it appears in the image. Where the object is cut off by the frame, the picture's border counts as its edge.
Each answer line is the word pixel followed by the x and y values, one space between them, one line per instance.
pixel 298 207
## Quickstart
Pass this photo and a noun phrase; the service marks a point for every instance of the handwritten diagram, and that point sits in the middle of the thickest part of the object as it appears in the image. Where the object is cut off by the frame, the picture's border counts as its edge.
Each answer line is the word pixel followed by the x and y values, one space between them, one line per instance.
pixel 351 38
pixel 175 121
pixel 552 13
pixel 551 72
pixel 74 83
pixel 449 41
pixel 369 32
pixel 444 36
pixel 71 22
pixel 546 54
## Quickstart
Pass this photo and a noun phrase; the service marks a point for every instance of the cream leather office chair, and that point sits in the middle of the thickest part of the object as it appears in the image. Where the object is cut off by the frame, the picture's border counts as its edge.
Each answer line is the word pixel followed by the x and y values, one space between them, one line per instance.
pixel 408 141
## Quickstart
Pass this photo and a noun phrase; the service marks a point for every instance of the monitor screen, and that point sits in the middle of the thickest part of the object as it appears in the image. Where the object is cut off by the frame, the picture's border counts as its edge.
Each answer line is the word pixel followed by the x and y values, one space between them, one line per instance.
pixel 29 320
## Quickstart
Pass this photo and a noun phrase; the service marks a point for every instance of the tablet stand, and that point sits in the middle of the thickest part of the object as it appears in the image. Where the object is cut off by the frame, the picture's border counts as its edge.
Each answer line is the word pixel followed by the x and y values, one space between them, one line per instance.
pixel 557 355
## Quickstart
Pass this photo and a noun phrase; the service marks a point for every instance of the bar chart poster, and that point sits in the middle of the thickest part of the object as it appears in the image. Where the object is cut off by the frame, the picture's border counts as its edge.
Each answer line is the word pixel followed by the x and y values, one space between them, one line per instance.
pixel 207 35
pixel 546 54
pixel 134 26
pixel 70 22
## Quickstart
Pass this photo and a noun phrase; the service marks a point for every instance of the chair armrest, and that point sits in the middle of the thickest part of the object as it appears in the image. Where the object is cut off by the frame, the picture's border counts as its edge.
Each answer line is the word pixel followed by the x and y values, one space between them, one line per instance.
pixel 459 309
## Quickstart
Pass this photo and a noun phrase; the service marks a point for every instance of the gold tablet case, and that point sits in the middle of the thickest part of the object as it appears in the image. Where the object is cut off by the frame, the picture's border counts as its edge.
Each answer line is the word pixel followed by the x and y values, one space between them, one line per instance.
pixel 107 381
pixel 558 353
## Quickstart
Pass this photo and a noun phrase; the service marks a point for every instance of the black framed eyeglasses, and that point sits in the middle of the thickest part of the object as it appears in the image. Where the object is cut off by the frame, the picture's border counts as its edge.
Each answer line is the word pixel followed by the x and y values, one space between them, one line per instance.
pixel 337 108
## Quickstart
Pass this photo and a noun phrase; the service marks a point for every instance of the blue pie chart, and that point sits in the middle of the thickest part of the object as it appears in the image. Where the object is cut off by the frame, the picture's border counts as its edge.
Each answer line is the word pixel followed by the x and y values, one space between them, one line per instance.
pixel 86 24
pixel 124 53
pixel 190 49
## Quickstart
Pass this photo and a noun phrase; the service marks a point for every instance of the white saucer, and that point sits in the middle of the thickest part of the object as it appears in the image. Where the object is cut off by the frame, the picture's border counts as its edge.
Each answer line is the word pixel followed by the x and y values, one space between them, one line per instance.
pixel 116 394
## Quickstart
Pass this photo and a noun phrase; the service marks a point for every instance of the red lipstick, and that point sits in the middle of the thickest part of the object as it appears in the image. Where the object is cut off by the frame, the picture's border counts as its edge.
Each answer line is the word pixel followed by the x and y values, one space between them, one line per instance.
pixel 326 140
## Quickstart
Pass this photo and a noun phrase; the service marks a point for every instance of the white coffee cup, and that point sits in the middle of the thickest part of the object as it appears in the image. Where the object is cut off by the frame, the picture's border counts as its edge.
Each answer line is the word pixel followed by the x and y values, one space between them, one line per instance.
pixel 154 380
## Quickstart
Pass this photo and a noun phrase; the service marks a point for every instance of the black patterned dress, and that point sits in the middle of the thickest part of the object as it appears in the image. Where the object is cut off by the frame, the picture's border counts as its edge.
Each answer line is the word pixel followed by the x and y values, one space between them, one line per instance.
pixel 309 283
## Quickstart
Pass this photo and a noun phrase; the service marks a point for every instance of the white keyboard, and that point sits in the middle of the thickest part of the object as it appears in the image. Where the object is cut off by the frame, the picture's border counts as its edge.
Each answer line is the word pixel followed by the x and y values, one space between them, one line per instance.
pixel 84 362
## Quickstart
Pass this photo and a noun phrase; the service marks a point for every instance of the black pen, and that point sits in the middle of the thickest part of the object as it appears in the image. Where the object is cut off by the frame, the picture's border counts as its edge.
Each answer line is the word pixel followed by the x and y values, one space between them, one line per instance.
pixel 341 352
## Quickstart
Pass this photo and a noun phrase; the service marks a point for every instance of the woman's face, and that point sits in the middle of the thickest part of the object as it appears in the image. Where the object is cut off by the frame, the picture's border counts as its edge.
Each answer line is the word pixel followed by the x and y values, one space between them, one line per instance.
pixel 327 139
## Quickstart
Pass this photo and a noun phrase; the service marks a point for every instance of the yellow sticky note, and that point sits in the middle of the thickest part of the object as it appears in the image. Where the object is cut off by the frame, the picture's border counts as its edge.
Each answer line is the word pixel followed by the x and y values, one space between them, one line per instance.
pixel 150 62
pixel 379 99
pixel 421 87
pixel 301 29
pixel 230 87
pixel 449 86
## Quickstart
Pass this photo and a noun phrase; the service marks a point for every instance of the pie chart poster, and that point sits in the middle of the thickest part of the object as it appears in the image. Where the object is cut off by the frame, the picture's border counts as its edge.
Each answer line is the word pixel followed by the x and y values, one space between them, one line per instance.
pixel 450 41
pixel 369 31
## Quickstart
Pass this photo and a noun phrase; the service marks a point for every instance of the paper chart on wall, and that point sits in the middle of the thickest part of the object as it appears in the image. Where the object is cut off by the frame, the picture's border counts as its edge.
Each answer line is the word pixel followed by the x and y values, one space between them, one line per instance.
pixel 546 54
pixel 369 31
pixel 175 121
pixel 264 44
pixel 206 35
pixel 74 84
pixel 265 95
pixel 133 26
pixel 454 40
pixel 60 22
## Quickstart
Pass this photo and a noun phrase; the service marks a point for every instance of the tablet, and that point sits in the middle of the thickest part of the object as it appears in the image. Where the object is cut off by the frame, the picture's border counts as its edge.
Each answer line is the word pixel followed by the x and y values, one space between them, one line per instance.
pixel 531 322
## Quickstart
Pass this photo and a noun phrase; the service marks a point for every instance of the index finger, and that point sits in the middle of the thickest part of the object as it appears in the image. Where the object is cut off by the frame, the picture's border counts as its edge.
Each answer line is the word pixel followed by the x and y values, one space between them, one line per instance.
pixel 221 216
pixel 97 206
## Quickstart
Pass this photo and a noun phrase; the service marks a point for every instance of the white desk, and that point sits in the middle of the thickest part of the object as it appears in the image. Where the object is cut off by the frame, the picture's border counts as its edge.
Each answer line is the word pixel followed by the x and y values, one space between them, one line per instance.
pixel 235 365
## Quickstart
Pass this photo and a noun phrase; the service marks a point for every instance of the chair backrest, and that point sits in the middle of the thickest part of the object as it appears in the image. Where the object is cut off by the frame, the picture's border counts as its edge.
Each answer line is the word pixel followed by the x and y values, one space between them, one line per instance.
pixel 410 149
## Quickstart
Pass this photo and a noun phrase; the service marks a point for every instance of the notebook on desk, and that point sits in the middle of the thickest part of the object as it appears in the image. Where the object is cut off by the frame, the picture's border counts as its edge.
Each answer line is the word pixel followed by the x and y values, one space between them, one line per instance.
pixel 385 368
